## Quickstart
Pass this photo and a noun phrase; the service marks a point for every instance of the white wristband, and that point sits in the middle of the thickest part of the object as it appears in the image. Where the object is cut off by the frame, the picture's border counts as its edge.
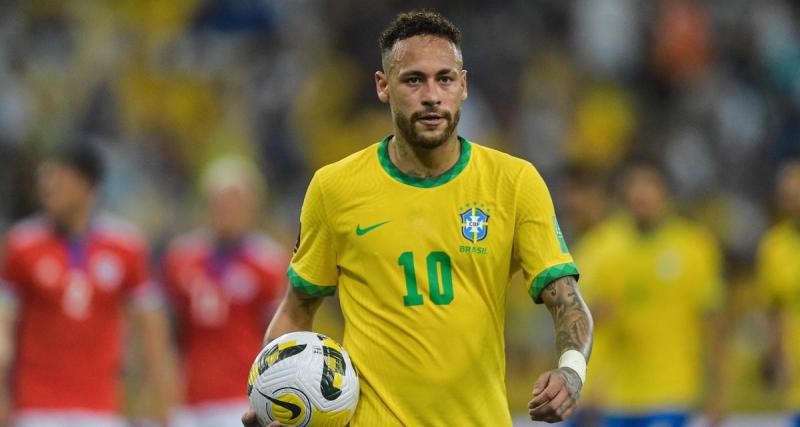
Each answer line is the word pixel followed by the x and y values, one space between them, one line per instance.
pixel 574 360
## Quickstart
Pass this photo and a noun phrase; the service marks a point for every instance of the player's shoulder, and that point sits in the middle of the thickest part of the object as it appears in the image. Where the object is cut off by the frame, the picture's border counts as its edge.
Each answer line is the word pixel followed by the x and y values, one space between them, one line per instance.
pixel 689 227
pixel 114 230
pixel 29 232
pixel 692 233
pixel 499 161
pixel 777 236
pixel 615 225
pixel 352 165
pixel 610 233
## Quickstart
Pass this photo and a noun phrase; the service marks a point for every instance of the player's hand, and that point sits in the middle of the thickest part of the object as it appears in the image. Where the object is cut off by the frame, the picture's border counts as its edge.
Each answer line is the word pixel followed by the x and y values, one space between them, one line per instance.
pixel 555 395
pixel 249 420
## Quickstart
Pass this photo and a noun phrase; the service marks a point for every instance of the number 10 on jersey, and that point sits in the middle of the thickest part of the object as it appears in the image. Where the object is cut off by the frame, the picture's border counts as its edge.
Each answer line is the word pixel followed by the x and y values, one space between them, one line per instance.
pixel 438 266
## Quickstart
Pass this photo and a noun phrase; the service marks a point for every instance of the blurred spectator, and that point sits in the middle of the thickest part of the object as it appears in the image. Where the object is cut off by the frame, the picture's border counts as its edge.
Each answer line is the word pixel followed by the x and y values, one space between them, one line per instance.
pixel 224 281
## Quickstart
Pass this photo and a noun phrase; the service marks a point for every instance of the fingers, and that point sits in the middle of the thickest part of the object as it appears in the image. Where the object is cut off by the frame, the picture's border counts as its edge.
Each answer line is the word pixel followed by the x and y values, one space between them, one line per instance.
pixel 554 403
pixel 249 420
pixel 551 410
pixel 540 391
pixel 541 383
pixel 274 424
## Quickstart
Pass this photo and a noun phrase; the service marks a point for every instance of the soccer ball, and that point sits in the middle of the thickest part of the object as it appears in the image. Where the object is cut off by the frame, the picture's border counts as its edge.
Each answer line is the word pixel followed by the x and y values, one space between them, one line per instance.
pixel 303 379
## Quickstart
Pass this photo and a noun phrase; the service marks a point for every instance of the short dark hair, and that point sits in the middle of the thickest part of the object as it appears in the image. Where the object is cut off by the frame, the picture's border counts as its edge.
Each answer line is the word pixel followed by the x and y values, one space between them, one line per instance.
pixel 82 156
pixel 417 23
pixel 650 162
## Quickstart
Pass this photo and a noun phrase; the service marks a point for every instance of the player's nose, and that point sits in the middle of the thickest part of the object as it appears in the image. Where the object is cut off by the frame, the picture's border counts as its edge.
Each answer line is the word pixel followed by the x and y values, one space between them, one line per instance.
pixel 431 95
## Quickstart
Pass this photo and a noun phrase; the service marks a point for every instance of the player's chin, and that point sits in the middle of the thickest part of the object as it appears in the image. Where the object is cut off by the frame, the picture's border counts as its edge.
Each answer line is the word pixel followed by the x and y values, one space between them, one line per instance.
pixel 431 138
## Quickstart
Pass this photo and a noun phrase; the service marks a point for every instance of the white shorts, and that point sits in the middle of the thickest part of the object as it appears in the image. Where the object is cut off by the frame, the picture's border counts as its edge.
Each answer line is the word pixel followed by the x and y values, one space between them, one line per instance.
pixel 66 418
pixel 226 413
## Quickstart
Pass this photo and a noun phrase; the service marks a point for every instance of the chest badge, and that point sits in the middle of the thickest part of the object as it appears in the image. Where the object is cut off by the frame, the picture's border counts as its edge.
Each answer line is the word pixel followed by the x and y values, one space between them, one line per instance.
pixel 474 224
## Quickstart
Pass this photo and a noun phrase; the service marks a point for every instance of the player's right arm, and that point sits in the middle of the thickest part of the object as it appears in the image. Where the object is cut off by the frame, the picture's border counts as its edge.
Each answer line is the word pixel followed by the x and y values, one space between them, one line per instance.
pixel 313 274
pixel 295 313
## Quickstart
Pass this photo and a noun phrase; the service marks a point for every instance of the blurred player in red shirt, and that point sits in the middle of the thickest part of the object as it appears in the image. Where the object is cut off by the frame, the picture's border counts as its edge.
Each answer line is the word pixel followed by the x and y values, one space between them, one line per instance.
pixel 68 276
pixel 225 282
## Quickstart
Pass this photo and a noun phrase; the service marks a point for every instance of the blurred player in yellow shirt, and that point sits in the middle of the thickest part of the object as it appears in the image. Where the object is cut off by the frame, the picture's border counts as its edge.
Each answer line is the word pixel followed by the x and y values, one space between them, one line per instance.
pixel 654 279
pixel 779 273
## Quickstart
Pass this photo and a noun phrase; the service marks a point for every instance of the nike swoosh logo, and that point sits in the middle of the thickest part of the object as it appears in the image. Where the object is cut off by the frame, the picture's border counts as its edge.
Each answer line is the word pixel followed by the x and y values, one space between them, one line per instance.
pixel 362 231
pixel 294 409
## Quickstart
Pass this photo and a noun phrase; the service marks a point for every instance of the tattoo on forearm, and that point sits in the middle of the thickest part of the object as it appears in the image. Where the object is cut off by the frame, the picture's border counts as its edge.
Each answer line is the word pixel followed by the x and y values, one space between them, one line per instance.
pixel 571 316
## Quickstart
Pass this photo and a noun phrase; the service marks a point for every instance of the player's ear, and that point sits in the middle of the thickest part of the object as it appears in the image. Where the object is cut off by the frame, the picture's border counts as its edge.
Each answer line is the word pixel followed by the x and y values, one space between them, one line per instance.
pixel 464 82
pixel 382 86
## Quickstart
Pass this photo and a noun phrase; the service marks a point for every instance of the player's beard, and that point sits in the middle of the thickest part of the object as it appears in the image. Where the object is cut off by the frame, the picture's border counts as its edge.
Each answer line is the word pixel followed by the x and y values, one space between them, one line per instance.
pixel 405 126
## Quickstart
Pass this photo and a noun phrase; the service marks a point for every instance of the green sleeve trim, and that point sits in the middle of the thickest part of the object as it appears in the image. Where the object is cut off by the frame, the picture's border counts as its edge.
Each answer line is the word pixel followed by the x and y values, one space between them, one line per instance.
pixel 545 277
pixel 307 287
pixel 398 175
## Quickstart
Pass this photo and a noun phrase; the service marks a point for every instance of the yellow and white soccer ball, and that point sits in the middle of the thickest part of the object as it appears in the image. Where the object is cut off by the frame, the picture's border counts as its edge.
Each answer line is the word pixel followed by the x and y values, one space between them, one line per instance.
pixel 303 379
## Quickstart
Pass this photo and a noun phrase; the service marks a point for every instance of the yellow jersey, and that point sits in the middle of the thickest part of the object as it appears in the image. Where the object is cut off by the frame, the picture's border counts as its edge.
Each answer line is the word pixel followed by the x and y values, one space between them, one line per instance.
pixel 779 273
pixel 655 289
pixel 422 266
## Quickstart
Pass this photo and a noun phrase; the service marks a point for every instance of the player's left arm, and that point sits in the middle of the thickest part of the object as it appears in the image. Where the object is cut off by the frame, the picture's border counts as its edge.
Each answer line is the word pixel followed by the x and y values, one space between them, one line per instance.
pixel 147 312
pixel 158 361
pixel 556 392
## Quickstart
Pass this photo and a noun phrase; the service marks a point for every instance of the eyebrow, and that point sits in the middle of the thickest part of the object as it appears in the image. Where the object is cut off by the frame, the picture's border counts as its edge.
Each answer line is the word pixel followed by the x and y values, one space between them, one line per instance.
pixel 441 72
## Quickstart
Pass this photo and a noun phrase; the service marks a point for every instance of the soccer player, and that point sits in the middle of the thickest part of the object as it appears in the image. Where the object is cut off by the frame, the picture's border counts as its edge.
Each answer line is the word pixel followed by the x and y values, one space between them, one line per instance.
pixel 225 283
pixel 661 279
pixel 420 234
pixel 779 275
pixel 68 277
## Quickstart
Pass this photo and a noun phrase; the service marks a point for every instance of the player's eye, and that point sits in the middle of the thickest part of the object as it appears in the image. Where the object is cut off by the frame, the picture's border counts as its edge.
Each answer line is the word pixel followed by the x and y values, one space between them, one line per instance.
pixel 413 80
pixel 446 79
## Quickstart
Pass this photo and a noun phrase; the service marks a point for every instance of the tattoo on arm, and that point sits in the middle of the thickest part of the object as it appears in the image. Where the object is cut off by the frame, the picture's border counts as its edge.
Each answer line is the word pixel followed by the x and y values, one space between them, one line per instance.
pixel 573 321
pixel 308 303
pixel 296 312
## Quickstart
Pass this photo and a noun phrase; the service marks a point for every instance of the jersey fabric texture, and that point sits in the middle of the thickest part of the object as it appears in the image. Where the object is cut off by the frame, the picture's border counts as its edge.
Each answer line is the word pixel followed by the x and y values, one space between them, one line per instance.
pixel 71 293
pixel 779 273
pixel 223 297
pixel 655 289
pixel 422 266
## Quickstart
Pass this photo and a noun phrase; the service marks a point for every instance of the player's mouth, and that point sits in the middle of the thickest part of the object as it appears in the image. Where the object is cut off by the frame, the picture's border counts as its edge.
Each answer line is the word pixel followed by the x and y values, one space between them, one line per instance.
pixel 432 119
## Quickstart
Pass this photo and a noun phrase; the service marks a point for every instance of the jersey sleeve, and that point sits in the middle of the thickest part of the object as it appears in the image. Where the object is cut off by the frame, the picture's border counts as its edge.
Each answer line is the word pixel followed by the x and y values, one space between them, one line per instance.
pixel 539 246
pixel 313 269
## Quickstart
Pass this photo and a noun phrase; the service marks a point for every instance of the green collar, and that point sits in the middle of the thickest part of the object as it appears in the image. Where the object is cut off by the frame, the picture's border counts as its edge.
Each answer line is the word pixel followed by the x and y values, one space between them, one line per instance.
pixel 398 175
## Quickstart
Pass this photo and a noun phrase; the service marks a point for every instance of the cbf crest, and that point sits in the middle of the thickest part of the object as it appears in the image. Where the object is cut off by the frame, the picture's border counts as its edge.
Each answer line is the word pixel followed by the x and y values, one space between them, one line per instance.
pixel 474 224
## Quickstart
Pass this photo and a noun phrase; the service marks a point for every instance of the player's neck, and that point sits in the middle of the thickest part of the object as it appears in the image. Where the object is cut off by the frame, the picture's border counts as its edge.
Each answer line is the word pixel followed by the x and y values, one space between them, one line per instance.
pixel 652 223
pixel 77 223
pixel 424 162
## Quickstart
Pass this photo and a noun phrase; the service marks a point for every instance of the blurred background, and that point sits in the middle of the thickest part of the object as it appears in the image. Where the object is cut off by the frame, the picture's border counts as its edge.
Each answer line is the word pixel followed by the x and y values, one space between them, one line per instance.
pixel 710 87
